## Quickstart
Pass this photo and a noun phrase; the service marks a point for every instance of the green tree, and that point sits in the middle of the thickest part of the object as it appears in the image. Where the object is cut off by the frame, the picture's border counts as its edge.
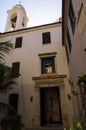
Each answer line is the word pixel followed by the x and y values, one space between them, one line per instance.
pixel 7 78
pixel 10 118
pixel 75 125
pixel 5 48
pixel 82 84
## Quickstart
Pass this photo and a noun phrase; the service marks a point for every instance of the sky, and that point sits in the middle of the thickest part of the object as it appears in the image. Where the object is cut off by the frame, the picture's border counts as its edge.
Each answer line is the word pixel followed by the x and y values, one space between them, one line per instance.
pixel 39 12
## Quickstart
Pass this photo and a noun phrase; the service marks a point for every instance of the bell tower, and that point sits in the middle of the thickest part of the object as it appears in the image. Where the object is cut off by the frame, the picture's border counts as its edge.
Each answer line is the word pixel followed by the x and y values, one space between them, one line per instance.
pixel 16 19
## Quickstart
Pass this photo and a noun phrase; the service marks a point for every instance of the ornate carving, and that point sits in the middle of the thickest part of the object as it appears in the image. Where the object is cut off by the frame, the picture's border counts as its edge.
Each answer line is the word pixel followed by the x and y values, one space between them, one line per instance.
pixel 49 80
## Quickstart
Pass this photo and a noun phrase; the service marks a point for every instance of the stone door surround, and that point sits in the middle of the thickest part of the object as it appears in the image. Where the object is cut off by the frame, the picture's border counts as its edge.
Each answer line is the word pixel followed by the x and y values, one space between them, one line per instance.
pixel 49 81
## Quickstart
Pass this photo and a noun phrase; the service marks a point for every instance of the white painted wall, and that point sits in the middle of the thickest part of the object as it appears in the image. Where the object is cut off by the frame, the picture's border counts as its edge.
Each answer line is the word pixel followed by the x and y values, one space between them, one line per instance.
pixel 30 65
pixel 77 62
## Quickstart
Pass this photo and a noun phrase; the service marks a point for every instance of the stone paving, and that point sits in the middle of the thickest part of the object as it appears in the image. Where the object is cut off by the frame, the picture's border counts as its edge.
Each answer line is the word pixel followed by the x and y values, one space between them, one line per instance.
pixel 46 128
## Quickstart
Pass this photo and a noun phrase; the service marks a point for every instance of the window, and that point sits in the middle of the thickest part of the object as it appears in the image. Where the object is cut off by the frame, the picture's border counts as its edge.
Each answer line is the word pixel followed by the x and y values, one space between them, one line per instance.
pixel 15 67
pixel 46 38
pixel 79 12
pixel 13 21
pixel 81 19
pixel 69 41
pixel 72 16
pixel 13 101
pixel 67 54
pixel 47 65
pixel 18 43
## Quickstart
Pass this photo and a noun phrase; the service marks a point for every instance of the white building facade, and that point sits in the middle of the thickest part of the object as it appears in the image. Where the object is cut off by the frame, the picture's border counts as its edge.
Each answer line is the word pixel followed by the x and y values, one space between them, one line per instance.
pixel 74 33
pixel 43 92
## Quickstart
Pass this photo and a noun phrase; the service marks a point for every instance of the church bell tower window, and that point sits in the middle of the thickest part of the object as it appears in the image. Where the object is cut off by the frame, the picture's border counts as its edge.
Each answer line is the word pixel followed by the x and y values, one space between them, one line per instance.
pixel 13 21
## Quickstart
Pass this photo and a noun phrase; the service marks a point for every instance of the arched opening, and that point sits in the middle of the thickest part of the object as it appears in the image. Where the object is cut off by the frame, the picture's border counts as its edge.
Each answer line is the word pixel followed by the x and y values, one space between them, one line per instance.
pixel 13 21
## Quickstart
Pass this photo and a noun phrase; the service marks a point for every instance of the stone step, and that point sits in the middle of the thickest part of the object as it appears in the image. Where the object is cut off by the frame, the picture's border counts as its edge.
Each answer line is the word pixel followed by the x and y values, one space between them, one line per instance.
pixel 46 128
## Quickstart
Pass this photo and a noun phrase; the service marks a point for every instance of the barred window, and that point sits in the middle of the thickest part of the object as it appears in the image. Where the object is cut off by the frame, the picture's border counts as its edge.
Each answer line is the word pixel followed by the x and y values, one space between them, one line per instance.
pixel 46 38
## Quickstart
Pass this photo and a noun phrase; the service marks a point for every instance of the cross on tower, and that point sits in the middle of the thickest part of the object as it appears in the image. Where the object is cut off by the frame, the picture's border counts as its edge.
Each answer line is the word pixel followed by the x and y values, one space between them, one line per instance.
pixel 20 2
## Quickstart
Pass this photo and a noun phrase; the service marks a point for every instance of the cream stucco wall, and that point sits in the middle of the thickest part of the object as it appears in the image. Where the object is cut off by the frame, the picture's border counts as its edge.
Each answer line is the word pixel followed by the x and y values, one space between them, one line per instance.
pixel 30 66
pixel 77 58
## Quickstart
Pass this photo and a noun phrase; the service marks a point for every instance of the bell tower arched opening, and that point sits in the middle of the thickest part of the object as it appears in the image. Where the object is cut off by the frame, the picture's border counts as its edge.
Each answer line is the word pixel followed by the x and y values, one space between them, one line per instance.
pixel 13 21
